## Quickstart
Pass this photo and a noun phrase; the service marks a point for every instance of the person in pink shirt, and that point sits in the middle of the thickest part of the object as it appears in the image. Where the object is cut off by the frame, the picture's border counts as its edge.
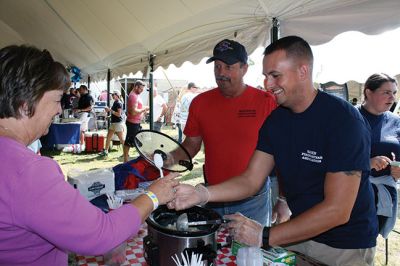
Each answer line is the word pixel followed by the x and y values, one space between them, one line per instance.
pixel 42 217
pixel 135 110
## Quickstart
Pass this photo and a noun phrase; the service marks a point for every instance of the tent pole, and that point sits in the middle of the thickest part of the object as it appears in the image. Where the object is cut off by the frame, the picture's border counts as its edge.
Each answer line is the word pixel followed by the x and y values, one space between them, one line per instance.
pixel 275 31
pixel 151 86
pixel 108 92
pixel 126 95
pixel 88 81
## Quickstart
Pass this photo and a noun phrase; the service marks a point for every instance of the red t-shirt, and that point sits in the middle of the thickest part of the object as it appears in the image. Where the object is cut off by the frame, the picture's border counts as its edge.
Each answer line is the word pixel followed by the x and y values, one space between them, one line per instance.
pixel 132 100
pixel 229 129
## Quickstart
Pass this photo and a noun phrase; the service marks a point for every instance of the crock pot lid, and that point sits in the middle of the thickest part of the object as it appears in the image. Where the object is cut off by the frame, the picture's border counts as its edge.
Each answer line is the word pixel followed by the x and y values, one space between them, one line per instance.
pixel 149 142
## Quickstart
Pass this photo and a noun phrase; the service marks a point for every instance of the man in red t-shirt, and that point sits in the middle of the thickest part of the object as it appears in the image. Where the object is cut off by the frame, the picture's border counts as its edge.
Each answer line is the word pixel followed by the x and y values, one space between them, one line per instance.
pixel 135 113
pixel 227 119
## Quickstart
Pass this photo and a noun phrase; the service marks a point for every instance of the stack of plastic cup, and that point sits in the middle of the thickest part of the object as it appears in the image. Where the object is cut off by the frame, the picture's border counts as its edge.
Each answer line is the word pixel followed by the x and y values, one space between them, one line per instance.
pixel 249 256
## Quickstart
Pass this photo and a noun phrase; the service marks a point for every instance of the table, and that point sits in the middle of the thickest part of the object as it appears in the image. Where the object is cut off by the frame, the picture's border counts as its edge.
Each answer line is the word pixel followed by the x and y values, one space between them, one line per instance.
pixel 134 252
pixel 62 133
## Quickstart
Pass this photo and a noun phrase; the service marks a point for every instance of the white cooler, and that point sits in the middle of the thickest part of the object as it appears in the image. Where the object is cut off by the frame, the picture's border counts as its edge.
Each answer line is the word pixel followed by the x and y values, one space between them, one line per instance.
pixel 93 183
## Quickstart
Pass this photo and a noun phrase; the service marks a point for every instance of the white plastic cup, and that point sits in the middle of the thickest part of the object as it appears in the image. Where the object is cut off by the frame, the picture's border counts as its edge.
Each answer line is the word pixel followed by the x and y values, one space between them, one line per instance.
pixel 249 256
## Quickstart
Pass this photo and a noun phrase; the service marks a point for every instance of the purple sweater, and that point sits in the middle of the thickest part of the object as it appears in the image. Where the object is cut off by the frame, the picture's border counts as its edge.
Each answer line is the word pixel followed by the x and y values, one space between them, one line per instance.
pixel 42 217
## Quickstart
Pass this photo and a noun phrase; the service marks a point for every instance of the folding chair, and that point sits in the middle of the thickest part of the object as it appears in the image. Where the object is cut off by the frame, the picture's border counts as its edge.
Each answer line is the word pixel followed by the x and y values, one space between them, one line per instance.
pixel 387 247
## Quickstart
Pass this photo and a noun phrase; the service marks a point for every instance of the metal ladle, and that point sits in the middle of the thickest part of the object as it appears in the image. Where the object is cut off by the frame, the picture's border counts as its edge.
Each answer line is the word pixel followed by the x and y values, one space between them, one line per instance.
pixel 182 223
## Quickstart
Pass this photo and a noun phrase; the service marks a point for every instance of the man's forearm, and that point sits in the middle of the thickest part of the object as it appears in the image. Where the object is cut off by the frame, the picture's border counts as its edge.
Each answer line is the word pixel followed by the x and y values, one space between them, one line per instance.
pixel 311 223
pixel 340 193
pixel 136 111
pixel 223 192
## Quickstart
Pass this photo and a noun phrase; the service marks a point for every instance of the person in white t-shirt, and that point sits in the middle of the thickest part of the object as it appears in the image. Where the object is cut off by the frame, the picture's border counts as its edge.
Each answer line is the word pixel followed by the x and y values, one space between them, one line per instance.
pixel 186 101
pixel 159 110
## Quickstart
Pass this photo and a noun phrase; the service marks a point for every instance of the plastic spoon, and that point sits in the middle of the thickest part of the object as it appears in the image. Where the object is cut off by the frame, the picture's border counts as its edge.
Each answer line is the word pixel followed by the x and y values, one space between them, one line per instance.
pixel 158 161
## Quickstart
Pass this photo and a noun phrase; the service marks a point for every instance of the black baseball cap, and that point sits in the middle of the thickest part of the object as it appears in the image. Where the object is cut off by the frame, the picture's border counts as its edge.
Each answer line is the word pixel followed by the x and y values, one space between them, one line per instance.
pixel 229 52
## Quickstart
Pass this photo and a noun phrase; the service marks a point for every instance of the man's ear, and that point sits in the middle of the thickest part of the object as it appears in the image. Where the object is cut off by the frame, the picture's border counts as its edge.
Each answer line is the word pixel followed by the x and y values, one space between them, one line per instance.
pixel 245 68
pixel 304 71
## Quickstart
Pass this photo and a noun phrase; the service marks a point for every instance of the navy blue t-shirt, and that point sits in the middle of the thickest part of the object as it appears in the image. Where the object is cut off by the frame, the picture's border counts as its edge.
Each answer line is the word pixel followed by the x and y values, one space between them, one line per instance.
pixel 116 105
pixel 66 101
pixel 85 101
pixel 330 136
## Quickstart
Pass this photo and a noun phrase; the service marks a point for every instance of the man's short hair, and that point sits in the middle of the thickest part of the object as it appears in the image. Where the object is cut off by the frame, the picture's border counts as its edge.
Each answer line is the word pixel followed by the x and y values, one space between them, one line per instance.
pixel 192 85
pixel 83 87
pixel 294 46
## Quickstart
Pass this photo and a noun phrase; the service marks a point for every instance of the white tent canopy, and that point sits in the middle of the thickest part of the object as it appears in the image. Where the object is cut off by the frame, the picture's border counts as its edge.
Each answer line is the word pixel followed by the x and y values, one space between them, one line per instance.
pixel 96 35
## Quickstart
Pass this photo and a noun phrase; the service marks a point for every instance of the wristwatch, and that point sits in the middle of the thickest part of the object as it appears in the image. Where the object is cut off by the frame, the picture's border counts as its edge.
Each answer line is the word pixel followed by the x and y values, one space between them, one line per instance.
pixel 265 238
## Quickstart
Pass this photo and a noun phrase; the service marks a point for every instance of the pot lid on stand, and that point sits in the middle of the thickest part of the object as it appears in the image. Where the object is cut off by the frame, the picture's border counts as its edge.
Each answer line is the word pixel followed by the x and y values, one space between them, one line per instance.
pixel 175 157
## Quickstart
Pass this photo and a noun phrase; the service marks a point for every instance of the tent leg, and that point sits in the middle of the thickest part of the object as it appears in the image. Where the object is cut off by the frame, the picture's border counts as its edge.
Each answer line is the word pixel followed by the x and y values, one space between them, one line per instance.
pixel 274 30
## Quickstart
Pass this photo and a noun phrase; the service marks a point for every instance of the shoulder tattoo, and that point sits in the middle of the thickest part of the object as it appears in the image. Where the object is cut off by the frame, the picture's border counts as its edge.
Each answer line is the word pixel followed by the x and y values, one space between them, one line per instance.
pixel 351 173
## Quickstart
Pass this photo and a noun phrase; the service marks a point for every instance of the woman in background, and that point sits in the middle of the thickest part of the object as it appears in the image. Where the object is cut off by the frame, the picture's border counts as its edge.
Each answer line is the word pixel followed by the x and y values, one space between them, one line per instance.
pixel 42 217
pixel 117 123
pixel 379 96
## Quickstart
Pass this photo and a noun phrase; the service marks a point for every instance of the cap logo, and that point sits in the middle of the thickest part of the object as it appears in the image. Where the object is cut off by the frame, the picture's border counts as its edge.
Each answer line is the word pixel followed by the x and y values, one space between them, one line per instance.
pixel 223 46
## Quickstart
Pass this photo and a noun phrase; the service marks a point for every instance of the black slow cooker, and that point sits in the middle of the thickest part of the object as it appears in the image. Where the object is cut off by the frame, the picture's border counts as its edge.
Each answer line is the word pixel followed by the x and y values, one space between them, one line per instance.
pixel 164 240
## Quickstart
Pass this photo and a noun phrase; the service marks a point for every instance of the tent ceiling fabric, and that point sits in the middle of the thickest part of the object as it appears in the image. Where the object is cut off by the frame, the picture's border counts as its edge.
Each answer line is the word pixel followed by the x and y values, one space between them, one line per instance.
pixel 96 35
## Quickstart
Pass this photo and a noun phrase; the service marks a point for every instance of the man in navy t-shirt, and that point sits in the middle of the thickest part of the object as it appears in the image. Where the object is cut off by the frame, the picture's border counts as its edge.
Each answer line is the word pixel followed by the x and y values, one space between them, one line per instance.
pixel 319 146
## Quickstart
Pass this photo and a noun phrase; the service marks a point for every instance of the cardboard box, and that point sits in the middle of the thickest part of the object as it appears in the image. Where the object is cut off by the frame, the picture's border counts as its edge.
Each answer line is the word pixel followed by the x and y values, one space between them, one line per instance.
pixel 273 257
pixel 94 142
pixel 94 183
pixel 278 256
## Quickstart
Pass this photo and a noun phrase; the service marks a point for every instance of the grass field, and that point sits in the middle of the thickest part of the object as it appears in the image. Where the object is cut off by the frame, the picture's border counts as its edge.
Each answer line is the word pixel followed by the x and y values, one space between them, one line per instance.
pixel 85 161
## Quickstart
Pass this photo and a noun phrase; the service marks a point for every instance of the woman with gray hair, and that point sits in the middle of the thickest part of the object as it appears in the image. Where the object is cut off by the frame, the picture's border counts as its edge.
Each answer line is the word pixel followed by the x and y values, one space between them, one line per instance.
pixel 42 217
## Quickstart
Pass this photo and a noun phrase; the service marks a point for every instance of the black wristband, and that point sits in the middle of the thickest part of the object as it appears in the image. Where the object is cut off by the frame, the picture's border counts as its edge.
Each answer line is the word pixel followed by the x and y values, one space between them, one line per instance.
pixel 265 238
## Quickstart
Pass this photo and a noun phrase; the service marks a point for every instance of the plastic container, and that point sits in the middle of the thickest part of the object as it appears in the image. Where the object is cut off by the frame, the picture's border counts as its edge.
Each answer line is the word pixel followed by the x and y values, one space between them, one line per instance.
pixel 117 256
pixel 92 183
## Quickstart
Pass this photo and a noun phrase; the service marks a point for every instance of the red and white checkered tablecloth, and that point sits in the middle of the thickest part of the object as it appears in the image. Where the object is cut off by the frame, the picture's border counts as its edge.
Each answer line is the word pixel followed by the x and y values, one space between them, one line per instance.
pixel 134 252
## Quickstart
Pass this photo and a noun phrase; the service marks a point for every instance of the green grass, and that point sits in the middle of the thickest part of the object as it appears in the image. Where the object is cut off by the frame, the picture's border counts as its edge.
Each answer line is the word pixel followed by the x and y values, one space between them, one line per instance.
pixel 92 161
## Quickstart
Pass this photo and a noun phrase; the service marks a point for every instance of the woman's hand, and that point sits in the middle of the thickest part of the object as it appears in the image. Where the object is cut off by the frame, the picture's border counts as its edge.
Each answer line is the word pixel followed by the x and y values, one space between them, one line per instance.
pixel 379 162
pixel 164 188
